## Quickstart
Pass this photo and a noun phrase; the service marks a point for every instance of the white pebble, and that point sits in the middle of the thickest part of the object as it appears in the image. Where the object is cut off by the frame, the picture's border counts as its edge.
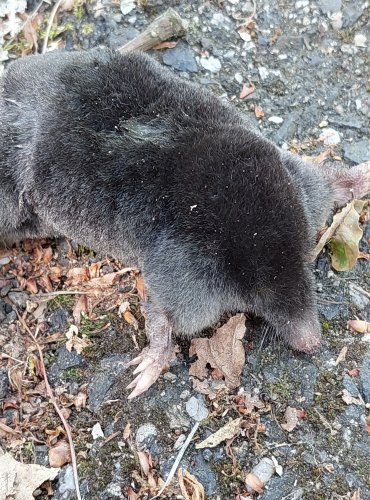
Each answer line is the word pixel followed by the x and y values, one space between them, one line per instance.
pixel 245 36
pixel 238 77
pixel 330 137
pixel 323 124
pixel 276 119
pixel 360 40
pixel 211 64
pixel 97 431
pixel 127 6
pixel 263 72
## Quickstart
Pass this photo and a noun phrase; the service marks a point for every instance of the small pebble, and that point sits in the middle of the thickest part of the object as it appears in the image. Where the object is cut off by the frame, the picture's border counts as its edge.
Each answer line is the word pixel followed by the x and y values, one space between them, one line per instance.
pixel 211 64
pixel 330 137
pixel 323 124
pixel 360 40
pixel 276 119
pixel 4 261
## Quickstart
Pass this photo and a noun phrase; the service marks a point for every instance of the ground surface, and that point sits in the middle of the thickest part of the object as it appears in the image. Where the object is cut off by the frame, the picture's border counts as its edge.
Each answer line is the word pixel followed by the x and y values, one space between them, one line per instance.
pixel 309 62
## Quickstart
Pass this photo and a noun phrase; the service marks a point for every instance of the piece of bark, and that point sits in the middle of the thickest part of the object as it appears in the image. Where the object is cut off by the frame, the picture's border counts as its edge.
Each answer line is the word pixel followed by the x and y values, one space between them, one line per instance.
pixel 167 25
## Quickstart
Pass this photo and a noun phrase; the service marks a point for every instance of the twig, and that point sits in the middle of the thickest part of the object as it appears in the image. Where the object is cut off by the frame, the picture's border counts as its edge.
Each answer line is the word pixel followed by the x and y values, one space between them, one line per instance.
pixel 177 461
pixel 54 403
pixel 50 23
pixel 168 25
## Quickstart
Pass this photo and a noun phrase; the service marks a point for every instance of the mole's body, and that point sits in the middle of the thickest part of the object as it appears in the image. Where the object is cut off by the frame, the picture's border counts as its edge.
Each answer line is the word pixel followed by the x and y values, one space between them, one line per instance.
pixel 119 154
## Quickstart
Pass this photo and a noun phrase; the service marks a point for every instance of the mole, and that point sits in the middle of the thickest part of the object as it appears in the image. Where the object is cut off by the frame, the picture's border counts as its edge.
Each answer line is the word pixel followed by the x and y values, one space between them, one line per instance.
pixel 119 154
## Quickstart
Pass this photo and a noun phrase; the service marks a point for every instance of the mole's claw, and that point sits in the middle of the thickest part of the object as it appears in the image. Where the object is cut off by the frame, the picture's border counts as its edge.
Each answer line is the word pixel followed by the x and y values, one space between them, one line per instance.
pixel 134 382
pixel 143 365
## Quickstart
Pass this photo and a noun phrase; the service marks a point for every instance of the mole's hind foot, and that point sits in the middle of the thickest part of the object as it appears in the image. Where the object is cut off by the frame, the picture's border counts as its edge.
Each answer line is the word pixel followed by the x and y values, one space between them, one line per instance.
pixel 151 362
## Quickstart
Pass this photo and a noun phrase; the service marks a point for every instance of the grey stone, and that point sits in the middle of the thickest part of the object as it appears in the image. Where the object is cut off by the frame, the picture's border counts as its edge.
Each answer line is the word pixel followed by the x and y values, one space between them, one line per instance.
pixel 58 320
pixel 181 58
pixel 120 37
pixel 19 299
pixel 145 435
pixel 352 13
pixel 4 260
pixel 113 490
pixel 177 417
pixel 65 360
pixel 365 378
pixel 66 485
pixel 288 128
pixel 196 409
pixel 358 298
pixel 4 384
pixel 330 6
pixel 357 152
pixel 102 382
pixel 349 384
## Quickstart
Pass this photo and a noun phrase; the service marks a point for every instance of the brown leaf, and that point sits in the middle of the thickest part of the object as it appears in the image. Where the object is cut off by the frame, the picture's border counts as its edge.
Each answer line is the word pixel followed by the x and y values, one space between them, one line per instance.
pixel 127 432
pixel 165 45
pixel 131 495
pixel 60 454
pixel 247 90
pixel 355 372
pixel 190 487
pixel 363 255
pixel 228 431
pixel 45 282
pixel 81 306
pixel 144 462
pixel 131 320
pixel 342 355
pixel 224 351
pixel 80 399
pixel 77 275
pixel 30 33
pixel 20 480
pixel 358 326
pixel 55 273
pixel 291 418
pixel 258 111
pixel 140 286
pixel 94 269
pixel 31 285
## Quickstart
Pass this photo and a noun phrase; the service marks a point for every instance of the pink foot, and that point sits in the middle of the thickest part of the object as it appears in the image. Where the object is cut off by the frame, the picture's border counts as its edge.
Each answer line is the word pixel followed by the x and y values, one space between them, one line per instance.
pixel 151 362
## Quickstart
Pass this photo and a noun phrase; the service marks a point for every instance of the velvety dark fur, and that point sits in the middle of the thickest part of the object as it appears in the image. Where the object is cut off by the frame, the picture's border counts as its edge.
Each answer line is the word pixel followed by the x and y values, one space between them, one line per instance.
pixel 117 153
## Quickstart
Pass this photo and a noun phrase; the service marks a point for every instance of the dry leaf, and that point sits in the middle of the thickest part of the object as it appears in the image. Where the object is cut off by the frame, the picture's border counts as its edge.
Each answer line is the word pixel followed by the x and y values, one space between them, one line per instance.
pixel 60 454
pixel 19 480
pixel 131 320
pixel 228 431
pixel 81 306
pixel 358 326
pixel 131 495
pixel 144 462
pixel 190 487
pixel 258 111
pixel 55 273
pixel 342 355
pixel 344 235
pixel 363 255
pixel 355 372
pixel 127 432
pixel 77 275
pixel 165 45
pixel 74 341
pixel 31 285
pixel 247 90
pixel 224 351
pixel 350 400
pixel 94 269
pixel 140 287
pixel 80 399
pixel 291 417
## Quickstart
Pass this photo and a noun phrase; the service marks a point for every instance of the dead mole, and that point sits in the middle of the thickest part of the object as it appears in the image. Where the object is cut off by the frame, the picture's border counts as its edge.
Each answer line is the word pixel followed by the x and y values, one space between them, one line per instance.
pixel 117 153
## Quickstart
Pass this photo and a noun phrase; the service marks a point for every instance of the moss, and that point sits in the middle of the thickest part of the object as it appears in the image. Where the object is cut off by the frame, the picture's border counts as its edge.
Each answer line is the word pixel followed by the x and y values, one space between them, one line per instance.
pixel 90 327
pixel 61 302
pixel 325 324
pixel 346 35
pixel 73 374
pixel 87 28
pixel 82 250
pixel 79 10
pixel 328 395
pixel 284 388
pixel 55 31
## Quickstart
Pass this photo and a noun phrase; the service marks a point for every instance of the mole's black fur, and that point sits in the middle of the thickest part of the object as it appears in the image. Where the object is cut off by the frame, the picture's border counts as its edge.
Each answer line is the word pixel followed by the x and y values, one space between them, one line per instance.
pixel 117 153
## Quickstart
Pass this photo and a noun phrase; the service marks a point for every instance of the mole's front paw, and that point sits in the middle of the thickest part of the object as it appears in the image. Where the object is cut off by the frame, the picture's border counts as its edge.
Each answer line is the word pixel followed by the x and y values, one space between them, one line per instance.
pixel 150 365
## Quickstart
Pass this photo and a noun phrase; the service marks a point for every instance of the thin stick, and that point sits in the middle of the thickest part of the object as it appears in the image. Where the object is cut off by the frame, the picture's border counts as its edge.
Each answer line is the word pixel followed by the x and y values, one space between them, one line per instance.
pixel 53 401
pixel 168 25
pixel 177 461
pixel 50 23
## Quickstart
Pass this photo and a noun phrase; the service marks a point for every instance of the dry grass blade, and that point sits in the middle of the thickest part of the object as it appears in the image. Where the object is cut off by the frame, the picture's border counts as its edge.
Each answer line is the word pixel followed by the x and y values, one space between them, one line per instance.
pixel 50 23
pixel 54 403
